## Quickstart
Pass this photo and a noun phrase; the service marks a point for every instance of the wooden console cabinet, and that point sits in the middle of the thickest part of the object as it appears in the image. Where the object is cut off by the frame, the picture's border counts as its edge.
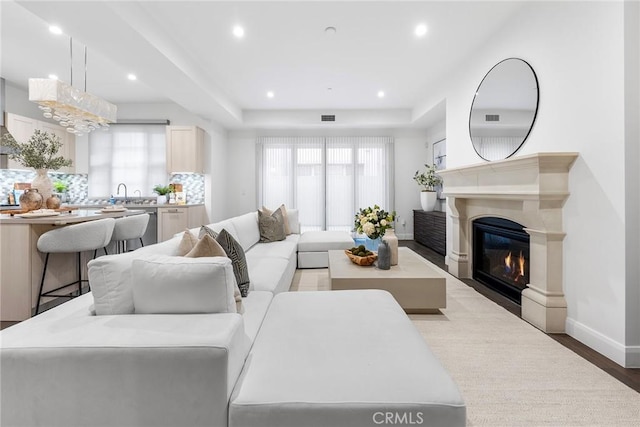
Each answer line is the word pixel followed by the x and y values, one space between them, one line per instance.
pixel 430 229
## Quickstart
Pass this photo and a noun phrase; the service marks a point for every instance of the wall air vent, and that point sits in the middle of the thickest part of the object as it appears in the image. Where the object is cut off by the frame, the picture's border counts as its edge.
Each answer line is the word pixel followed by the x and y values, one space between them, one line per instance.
pixel 328 118
pixel 492 118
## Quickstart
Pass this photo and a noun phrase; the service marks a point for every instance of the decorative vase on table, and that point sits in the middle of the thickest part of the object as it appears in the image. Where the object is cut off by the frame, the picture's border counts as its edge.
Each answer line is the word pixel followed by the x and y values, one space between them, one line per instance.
pixel 428 200
pixel 371 244
pixel 30 200
pixel 391 238
pixel 42 183
pixel 384 256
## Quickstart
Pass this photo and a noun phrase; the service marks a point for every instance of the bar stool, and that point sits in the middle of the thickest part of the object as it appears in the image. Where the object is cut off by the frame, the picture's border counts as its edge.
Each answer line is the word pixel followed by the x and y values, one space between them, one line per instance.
pixel 129 228
pixel 86 236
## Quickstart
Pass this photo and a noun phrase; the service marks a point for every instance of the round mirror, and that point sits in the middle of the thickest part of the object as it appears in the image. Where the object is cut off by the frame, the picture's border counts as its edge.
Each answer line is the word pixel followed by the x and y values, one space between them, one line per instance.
pixel 503 109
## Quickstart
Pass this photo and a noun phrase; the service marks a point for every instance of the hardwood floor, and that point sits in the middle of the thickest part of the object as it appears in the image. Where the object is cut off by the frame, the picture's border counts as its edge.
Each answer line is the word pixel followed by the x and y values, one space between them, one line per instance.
pixel 630 377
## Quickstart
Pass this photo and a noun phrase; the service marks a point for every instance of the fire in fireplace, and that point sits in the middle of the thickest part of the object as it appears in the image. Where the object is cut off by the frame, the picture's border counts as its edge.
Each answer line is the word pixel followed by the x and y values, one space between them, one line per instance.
pixel 501 256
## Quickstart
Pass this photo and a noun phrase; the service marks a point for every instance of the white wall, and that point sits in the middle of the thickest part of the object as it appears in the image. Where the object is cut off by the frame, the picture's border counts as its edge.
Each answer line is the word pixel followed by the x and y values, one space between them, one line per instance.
pixel 632 156
pixel 411 152
pixel 576 50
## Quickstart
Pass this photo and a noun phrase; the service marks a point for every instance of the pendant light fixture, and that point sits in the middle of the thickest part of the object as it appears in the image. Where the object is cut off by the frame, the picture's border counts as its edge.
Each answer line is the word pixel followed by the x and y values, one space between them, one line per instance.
pixel 78 111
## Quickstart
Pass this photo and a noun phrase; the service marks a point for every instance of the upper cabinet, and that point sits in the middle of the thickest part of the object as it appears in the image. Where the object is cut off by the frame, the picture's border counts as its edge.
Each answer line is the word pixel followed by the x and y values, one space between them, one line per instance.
pixel 185 149
pixel 23 127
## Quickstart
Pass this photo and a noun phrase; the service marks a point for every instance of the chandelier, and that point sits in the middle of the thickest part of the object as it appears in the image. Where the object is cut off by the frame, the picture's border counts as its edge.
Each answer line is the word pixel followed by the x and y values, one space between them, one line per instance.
pixel 78 111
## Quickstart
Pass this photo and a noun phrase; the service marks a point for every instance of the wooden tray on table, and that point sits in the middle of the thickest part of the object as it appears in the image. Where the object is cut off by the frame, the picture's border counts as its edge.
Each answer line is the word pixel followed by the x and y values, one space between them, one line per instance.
pixel 13 212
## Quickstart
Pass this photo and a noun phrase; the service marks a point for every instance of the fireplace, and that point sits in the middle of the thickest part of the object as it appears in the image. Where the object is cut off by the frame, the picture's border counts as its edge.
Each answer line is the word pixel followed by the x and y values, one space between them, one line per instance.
pixel 501 256
pixel 530 190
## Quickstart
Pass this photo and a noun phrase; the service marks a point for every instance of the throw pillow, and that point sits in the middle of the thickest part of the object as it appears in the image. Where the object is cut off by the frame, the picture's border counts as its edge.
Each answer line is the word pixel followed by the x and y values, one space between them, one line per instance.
pixel 206 230
pixel 206 247
pixel 189 240
pixel 235 252
pixel 283 209
pixel 177 285
pixel 271 226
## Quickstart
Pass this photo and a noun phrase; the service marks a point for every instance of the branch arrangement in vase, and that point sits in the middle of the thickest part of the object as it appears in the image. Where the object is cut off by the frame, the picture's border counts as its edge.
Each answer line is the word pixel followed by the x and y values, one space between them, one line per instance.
pixel 427 179
pixel 39 152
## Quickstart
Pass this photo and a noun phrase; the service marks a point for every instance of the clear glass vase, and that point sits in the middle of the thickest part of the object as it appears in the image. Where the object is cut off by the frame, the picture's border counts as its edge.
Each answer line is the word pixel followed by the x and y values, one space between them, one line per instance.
pixel 372 244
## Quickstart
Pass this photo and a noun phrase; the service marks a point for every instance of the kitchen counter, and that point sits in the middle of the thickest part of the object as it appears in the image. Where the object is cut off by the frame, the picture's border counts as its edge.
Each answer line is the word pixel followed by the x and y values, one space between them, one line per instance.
pixel 21 263
pixel 134 205
pixel 80 215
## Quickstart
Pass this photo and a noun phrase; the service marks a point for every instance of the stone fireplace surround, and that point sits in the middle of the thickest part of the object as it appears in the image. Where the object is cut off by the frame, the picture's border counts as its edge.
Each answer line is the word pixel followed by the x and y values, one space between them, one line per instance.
pixel 530 190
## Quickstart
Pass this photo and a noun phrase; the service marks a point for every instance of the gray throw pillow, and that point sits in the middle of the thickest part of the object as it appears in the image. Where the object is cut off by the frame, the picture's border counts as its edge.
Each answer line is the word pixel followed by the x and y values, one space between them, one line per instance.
pixel 206 230
pixel 238 260
pixel 271 226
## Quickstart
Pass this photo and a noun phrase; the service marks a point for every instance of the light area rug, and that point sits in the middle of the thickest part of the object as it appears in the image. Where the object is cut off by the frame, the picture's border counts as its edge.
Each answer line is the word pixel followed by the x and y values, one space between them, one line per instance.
pixel 510 373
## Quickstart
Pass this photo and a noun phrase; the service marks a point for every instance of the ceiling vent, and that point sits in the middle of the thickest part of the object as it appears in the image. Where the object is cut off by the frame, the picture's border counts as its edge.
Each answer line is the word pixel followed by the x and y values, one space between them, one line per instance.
pixel 328 118
pixel 492 118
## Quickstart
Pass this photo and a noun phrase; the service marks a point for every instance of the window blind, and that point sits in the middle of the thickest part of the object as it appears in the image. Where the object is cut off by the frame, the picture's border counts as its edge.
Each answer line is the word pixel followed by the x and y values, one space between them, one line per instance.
pixel 327 179
pixel 132 154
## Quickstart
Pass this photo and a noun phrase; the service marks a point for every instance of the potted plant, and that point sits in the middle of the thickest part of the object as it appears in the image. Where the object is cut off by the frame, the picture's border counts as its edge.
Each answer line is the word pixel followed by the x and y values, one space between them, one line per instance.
pixel 162 191
pixel 61 188
pixel 428 180
pixel 40 153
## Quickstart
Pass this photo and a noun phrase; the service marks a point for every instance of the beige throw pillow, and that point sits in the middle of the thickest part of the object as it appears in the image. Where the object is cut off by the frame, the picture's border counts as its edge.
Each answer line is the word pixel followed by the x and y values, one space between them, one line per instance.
pixel 206 247
pixel 187 243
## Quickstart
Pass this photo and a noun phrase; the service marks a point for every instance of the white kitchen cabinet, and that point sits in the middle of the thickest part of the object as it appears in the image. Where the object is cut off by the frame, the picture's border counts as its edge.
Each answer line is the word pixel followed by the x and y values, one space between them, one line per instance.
pixel 175 219
pixel 22 129
pixel 185 149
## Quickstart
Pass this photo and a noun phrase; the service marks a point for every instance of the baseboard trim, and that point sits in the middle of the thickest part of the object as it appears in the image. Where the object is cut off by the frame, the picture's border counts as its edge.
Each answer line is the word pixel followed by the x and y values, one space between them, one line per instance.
pixel 625 356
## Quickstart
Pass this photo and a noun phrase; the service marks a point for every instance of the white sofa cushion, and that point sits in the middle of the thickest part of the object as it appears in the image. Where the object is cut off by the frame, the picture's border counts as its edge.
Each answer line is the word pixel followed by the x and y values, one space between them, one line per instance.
pixel 294 221
pixel 180 285
pixel 126 370
pixel 272 274
pixel 283 249
pixel 247 231
pixel 322 241
pixel 356 353
pixel 110 277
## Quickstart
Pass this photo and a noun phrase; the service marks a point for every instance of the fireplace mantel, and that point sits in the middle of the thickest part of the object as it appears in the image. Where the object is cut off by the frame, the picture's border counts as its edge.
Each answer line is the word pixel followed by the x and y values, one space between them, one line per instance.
pixel 530 190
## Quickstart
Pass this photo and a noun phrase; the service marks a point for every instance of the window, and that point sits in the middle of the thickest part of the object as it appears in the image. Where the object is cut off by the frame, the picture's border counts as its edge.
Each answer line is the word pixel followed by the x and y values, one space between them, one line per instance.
pixel 326 179
pixel 133 154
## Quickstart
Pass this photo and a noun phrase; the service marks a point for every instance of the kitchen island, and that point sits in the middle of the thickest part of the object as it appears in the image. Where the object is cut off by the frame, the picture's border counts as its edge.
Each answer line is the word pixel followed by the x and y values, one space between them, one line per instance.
pixel 21 263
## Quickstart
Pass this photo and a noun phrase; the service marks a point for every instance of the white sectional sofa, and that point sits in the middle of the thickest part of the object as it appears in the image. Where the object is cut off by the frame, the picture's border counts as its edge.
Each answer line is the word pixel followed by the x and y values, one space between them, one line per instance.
pixel 290 359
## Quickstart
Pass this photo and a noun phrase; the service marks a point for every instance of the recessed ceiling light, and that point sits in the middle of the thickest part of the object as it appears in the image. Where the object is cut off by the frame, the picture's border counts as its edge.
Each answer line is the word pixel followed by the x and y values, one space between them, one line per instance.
pixel 330 30
pixel 380 94
pixel 421 30
pixel 270 94
pixel 238 31
pixel 132 77
pixel 53 77
pixel 54 29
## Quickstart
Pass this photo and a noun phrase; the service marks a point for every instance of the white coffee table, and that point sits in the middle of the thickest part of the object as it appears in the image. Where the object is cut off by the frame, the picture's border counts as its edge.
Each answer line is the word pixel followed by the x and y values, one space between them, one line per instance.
pixel 414 283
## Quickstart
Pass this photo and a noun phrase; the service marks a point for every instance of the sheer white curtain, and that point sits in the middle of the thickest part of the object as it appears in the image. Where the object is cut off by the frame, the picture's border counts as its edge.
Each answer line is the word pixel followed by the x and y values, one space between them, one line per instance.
pixel 326 179
pixel 132 154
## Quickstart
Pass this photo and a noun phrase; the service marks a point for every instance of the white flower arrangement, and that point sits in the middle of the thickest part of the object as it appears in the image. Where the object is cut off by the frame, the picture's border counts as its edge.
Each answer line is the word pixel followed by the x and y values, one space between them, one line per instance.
pixel 373 222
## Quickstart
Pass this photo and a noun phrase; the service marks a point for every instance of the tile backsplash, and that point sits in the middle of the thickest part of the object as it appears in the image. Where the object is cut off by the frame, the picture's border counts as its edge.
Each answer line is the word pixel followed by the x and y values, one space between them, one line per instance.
pixel 78 183
pixel 192 185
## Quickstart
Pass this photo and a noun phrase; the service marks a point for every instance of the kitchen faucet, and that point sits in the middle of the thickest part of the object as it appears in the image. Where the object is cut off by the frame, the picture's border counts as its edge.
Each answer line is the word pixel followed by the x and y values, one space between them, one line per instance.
pixel 125 191
pixel 139 196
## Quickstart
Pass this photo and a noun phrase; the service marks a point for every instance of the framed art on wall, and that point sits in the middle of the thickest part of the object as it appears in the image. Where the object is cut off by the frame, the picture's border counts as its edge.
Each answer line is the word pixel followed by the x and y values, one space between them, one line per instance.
pixel 440 160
